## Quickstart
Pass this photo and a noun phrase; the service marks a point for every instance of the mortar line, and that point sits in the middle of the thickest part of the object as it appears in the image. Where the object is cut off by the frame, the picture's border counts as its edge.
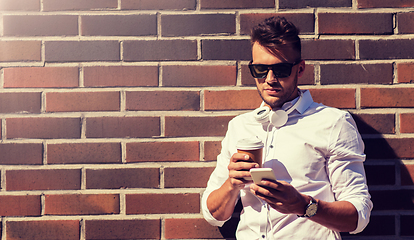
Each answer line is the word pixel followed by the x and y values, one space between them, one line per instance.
pixel 83 179
pixel 82 229
pixel 81 72
pixel 3 129
pixel 122 204
pixel 44 157
pixel 237 19
pixel 358 98
pixel 123 152
pixel 201 146
pixel 3 228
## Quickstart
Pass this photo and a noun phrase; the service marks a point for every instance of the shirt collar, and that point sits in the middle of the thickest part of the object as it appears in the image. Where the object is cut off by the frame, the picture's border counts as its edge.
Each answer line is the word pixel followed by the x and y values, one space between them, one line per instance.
pixel 302 106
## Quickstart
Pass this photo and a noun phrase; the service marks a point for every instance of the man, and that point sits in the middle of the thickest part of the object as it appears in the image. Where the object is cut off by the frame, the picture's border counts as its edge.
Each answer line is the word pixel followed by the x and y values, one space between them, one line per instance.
pixel 317 155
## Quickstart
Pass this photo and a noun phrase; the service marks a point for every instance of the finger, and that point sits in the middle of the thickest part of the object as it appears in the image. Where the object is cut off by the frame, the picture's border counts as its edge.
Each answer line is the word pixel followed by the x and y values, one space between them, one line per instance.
pixel 267 183
pixel 239 174
pixel 237 166
pixel 239 157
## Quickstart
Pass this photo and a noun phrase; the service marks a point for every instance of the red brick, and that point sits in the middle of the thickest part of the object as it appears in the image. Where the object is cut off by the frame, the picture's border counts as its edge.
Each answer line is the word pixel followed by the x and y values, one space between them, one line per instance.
pixel 163 101
pixel 50 179
pixel 246 77
pixel 406 225
pixel 162 203
pixel 237 4
pixel 405 22
pixel 82 101
pixel 405 72
pixel 355 23
pixel 407 174
pixel 231 100
pixel 190 228
pixel 314 3
pixel 28 205
pixel 15 51
pixel 81 204
pixel 356 73
pixel 158 5
pixel 41 77
pixel 379 225
pixel 122 127
pixel 191 76
pixel 393 199
pixel 380 174
pixel 211 150
pixel 24 102
pixel 386 49
pixel 389 148
pixel 82 5
pixel 197 24
pixel 162 151
pixel 313 49
pixel 196 126
pixel 121 76
pixel 187 177
pixel 123 229
pixel 304 21
pixel 375 123
pixel 336 97
pixel 226 49
pixel 19 5
pixel 122 178
pixel 387 97
pixel 43 128
pixel 406 123
pixel 161 50
pixel 89 153
pixel 119 25
pixel 21 153
pixel 51 229
pixel 384 3
pixel 38 25
pixel 81 51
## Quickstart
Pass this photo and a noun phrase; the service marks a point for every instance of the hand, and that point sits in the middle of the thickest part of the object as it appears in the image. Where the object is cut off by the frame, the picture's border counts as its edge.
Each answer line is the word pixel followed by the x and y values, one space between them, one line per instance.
pixel 239 167
pixel 281 196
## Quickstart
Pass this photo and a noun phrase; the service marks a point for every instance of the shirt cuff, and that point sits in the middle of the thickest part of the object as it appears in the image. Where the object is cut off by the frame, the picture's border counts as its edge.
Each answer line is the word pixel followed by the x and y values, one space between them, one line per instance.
pixel 363 208
pixel 206 213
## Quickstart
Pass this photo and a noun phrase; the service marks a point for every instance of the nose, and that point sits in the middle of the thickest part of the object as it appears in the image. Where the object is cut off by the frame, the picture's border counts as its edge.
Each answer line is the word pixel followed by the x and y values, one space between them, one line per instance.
pixel 271 78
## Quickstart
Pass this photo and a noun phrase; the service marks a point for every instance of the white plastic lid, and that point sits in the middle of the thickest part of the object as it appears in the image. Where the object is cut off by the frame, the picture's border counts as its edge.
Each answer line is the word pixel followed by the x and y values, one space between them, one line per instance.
pixel 252 143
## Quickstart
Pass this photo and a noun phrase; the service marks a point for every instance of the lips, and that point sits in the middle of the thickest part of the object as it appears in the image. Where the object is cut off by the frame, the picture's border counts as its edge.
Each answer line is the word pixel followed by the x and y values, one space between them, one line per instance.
pixel 272 91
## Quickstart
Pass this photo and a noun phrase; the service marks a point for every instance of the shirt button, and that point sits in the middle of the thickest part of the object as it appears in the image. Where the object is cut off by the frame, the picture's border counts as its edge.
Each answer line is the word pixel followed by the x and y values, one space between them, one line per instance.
pixel 271 146
pixel 263 236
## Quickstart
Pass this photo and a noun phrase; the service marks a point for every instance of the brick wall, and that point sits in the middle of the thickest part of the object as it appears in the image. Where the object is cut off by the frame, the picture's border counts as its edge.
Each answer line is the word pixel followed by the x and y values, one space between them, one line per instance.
pixel 112 111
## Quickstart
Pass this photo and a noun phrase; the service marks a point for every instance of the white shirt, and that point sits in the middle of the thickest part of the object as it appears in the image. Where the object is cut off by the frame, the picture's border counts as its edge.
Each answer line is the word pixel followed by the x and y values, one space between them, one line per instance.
pixel 319 151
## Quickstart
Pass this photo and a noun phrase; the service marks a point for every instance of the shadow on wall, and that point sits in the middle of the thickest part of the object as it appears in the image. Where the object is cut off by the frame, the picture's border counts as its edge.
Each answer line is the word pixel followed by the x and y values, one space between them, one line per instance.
pixel 381 168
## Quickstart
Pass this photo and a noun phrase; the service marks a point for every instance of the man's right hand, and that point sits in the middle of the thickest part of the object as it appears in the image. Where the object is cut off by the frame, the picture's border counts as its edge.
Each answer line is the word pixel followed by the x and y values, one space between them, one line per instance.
pixel 239 167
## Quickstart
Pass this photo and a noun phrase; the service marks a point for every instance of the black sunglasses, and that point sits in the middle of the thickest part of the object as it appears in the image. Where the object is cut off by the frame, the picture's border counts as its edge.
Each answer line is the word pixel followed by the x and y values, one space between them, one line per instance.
pixel 280 70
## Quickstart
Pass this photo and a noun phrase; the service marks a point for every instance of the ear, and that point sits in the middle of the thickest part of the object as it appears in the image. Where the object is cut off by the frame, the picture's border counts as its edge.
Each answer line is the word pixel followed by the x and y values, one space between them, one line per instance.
pixel 301 68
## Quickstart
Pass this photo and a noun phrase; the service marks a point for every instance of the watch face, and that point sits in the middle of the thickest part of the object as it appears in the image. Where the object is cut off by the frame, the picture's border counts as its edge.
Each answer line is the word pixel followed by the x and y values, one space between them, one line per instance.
pixel 311 210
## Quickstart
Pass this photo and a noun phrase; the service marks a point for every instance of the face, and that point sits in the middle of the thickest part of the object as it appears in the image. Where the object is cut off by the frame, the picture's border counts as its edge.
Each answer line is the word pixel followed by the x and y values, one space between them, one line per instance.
pixel 276 91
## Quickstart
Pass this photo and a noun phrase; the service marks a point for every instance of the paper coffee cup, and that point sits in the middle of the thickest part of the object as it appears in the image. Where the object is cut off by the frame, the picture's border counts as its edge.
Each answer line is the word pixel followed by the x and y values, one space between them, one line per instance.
pixel 252 147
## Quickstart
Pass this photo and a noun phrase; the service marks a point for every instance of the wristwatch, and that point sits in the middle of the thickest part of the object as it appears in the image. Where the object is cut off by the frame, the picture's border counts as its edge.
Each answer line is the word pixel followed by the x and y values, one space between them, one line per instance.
pixel 310 209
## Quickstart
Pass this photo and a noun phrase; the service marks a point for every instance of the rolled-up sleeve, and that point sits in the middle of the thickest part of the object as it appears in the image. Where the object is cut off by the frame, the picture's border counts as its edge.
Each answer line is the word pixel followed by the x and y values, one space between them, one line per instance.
pixel 346 170
pixel 217 179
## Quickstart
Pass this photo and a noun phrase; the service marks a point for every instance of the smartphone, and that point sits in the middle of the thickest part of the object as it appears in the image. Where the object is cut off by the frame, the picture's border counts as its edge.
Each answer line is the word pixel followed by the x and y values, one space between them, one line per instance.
pixel 262 173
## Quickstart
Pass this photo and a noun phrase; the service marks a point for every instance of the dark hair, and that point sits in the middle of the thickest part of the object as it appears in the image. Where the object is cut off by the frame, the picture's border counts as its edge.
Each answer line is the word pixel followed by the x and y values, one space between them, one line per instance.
pixel 275 33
